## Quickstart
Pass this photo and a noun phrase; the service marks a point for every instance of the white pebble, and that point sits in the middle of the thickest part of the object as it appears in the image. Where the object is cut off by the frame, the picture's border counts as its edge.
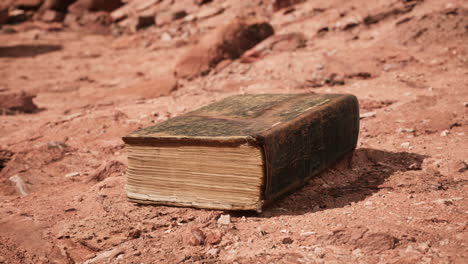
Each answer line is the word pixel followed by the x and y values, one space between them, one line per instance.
pixel 72 174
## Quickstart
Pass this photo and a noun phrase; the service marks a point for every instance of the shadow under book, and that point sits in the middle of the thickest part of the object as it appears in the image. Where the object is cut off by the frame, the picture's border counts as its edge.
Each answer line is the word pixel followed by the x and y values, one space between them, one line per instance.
pixel 242 152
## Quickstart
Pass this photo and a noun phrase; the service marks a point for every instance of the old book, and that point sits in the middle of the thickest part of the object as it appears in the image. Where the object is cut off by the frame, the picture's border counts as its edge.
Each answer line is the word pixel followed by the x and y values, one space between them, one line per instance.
pixel 242 152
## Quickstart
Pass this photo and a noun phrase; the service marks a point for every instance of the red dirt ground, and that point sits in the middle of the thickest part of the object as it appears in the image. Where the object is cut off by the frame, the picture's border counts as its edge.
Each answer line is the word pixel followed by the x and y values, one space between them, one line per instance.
pixel 402 198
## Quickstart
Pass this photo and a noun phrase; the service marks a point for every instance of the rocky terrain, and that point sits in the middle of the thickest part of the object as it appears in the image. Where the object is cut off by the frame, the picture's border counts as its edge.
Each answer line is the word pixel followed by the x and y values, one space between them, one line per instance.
pixel 76 76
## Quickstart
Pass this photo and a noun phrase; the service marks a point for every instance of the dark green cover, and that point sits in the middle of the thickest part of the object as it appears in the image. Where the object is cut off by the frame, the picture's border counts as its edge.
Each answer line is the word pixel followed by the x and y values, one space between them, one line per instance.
pixel 299 134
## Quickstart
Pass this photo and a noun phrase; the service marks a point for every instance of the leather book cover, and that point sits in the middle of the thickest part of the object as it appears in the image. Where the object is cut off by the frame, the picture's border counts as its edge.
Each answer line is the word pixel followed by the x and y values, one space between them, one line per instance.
pixel 299 134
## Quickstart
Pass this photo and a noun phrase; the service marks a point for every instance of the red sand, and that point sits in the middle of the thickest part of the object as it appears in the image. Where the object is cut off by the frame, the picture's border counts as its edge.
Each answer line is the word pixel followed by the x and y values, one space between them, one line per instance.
pixel 401 199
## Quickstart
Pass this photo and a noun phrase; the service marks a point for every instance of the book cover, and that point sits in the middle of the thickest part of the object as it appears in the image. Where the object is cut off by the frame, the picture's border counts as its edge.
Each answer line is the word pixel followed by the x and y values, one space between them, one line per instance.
pixel 296 135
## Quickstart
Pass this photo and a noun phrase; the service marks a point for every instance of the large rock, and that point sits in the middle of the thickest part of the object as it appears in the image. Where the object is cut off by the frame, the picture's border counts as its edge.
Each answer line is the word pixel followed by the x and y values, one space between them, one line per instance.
pixel 225 42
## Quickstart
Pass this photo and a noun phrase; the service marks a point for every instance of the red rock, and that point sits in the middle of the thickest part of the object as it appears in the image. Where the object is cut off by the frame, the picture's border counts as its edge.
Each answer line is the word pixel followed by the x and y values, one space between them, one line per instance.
pixel 16 16
pixel 197 237
pixel 209 12
pixel 179 14
pixel 132 7
pixel 5 156
pixel 280 4
pixel 284 42
pixel 377 242
pixel 28 4
pixel 134 234
pixel 52 16
pixel 94 22
pixel 11 102
pixel 163 18
pixel 3 13
pixel 82 6
pixel 213 238
pixel 287 240
pixel 106 170
pixel 57 5
pixel 225 42
pixel 139 21
pixel 202 2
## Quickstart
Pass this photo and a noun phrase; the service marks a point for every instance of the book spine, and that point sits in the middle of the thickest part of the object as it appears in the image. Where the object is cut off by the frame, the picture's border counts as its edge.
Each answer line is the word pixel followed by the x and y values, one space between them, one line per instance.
pixel 305 146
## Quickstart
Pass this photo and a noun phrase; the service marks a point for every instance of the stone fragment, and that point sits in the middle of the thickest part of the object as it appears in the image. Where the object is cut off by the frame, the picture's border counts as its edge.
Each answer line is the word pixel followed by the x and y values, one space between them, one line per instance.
pixel 16 16
pixel 82 6
pixel 72 174
pixel 319 252
pixel 287 240
pixel 283 42
pixel 213 252
pixel 57 5
pixel 166 36
pixel 224 219
pixel 280 4
pixel 5 156
pixel 163 18
pixel 202 2
pixel 405 130
pixel 134 234
pixel 197 237
pixel 28 4
pixel 106 170
pixel 229 41
pixel 405 145
pixel 102 257
pixel 139 21
pixel 367 115
pixel 12 102
pixel 179 14
pixel 19 185
pixel 444 133
pixel 52 16
pixel 213 238
pixel 447 201
pixel 376 242
pixel 132 7
pixel 209 12
pixel 3 14
pixel 334 79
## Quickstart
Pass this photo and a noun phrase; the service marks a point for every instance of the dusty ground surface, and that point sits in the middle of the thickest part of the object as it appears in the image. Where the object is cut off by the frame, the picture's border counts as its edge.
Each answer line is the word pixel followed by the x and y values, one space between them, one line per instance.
pixel 402 198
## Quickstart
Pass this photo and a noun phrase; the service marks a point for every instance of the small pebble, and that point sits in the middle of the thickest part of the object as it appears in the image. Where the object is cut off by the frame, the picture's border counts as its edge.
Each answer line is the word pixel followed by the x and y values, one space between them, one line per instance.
pixel 319 252
pixel 72 174
pixel 166 37
pixel 213 252
pixel 224 220
pixel 405 145
pixel 366 115
pixel 287 240
pixel 405 130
